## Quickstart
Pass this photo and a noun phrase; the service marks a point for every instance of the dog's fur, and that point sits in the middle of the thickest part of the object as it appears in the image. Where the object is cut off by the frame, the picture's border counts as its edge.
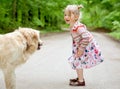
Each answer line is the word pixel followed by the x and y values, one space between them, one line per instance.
pixel 15 49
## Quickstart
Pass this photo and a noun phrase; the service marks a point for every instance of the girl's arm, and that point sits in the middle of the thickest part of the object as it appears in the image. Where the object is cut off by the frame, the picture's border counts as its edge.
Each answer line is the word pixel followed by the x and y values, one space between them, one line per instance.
pixel 86 37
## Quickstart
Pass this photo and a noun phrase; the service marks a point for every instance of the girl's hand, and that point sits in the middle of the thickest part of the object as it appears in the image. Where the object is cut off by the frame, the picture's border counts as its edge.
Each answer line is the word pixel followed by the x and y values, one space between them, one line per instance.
pixel 79 52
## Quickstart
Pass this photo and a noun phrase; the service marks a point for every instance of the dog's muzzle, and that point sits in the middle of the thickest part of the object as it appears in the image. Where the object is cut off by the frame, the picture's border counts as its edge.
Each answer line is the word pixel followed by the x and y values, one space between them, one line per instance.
pixel 39 45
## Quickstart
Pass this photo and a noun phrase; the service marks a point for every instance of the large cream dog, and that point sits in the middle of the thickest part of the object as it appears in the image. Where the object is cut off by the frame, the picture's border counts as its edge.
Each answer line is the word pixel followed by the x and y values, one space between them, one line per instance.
pixel 15 49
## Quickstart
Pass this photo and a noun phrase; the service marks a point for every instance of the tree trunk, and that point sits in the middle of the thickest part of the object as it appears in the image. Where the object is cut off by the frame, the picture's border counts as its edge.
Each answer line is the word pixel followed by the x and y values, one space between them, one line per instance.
pixel 14 9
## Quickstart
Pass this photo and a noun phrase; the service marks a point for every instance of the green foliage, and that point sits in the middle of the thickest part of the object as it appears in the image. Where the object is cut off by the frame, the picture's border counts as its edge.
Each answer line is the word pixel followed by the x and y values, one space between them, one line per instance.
pixel 115 35
pixel 116 26
pixel 48 14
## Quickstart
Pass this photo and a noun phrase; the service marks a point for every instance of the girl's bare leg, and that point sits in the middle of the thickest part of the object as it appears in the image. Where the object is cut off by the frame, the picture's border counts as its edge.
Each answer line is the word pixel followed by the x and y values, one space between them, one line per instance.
pixel 80 74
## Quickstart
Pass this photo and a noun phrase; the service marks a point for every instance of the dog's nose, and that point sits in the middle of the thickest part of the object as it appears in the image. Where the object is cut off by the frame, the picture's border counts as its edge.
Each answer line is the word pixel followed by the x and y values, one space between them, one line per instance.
pixel 40 44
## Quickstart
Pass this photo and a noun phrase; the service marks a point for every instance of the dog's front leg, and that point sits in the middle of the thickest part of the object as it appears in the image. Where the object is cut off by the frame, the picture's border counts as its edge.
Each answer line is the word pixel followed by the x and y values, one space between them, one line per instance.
pixel 9 76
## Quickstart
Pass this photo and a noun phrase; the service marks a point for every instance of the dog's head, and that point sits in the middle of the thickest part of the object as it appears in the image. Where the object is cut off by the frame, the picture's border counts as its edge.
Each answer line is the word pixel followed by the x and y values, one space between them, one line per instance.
pixel 32 37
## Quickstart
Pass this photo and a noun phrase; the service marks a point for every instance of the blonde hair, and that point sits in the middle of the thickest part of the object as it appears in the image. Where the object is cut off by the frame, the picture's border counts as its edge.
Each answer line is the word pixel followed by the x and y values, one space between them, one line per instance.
pixel 74 9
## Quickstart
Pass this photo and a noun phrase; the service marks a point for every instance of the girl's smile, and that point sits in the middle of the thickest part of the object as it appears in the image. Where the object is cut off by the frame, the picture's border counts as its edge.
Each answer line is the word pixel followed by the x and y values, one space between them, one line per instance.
pixel 67 18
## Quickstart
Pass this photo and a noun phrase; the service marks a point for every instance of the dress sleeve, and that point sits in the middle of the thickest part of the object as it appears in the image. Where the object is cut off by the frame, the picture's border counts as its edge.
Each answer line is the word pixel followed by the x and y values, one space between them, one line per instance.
pixel 85 37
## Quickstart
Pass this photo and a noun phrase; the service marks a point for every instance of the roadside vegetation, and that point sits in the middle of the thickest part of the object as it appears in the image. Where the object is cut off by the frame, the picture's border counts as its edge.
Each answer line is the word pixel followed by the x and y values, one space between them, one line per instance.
pixel 47 15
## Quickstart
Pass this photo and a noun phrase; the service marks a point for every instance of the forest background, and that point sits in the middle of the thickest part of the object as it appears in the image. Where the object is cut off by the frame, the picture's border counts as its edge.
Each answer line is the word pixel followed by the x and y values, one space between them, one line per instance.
pixel 47 15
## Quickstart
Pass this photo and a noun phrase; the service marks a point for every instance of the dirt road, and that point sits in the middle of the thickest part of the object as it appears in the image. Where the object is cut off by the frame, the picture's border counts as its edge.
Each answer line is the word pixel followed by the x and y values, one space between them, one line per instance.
pixel 49 68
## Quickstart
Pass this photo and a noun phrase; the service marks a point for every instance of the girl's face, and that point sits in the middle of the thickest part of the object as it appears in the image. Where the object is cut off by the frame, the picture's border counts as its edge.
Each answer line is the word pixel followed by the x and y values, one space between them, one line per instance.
pixel 69 17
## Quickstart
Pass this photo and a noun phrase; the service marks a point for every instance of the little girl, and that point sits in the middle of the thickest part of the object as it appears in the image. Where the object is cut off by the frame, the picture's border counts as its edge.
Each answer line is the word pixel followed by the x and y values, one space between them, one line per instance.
pixel 85 52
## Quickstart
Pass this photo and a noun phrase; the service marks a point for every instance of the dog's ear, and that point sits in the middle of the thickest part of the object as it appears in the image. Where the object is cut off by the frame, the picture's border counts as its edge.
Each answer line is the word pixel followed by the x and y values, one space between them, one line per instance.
pixel 27 35
pixel 34 35
pixel 31 36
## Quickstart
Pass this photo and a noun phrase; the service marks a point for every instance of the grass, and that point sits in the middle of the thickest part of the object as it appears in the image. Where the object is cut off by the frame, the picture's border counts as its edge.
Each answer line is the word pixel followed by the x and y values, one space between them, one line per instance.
pixel 115 35
pixel 53 29
pixel 50 31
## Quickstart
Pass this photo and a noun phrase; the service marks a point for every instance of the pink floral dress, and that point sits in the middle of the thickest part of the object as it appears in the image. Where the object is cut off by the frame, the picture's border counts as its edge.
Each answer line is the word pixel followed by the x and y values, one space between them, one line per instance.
pixel 83 39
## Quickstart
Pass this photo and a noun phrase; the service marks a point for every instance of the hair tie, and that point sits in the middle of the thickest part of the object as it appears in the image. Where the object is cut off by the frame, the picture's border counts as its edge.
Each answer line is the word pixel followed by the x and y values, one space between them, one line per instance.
pixel 80 6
